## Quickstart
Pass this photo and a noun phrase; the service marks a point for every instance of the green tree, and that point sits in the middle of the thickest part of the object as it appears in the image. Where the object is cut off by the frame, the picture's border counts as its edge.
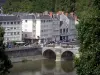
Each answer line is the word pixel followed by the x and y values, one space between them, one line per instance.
pixel 38 5
pixel 65 5
pixel 89 35
pixel 5 63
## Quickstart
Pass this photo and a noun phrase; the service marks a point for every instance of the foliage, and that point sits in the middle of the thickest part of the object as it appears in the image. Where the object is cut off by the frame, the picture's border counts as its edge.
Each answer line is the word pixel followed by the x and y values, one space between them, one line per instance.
pixel 38 5
pixel 5 63
pixel 89 36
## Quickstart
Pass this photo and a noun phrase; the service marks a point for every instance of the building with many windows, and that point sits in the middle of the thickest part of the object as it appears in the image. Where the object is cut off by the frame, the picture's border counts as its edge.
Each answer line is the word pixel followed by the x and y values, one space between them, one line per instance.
pixel 12 26
pixel 40 26
pixel 28 28
pixel 68 30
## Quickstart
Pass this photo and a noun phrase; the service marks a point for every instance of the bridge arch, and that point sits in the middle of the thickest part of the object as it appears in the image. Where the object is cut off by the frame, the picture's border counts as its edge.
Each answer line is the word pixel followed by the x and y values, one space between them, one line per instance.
pixel 49 54
pixel 67 55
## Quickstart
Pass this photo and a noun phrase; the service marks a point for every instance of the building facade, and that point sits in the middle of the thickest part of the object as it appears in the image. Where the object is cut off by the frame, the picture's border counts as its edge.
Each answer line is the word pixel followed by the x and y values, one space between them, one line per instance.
pixel 68 32
pixel 40 27
pixel 28 28
pixel 12 26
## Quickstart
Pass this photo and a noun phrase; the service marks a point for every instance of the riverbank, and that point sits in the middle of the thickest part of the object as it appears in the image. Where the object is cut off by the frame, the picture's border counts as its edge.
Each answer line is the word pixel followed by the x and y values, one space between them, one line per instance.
pixel 28 58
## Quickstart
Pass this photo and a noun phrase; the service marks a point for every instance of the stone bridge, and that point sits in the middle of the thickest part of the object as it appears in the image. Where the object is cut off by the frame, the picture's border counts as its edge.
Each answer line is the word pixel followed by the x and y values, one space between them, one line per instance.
pixel 58 52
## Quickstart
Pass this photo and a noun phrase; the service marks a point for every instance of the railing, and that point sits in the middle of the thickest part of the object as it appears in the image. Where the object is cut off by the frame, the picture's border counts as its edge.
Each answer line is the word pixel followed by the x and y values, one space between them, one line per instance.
pixel 22 47
pixel 61 45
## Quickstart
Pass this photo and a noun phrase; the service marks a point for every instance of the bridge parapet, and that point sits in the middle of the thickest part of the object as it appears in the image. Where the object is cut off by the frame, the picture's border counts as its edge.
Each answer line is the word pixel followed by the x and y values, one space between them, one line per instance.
pixel 55 49
pixel 21 48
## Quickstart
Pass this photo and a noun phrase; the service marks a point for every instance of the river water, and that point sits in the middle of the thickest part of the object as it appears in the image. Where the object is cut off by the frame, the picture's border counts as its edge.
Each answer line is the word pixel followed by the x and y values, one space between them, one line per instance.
pixel 43 67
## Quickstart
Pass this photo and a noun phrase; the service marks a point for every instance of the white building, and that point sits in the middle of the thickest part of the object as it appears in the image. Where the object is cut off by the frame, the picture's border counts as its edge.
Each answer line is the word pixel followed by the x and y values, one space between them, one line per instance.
pixel 29 27
pixel 12 27
pixel 56 28
pixel 40 26
pixel 48 27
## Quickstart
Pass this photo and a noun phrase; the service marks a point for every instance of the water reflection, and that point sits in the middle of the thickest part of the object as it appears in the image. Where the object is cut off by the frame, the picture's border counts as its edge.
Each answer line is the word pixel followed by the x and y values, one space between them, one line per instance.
pixel 49 64
pixel 43 67
pixel 67 66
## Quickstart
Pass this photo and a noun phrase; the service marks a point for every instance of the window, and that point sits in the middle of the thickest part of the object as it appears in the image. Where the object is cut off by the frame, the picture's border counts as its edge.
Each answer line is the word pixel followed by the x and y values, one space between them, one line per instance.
pixel 11 22
pixel 17 33
pixel 14 27
pixel 4 22
pixel 14 22
pixel 18 22
pixel 61 31
pixel 41 20
pixel 7 22
pixel 66 30
pixel 14 33
pixel 41 30
pixel 11 33
pixel 11 28
pixel 25 20
pixel 61 22
pixel 8 28
pixel 7 39
pixel 25 35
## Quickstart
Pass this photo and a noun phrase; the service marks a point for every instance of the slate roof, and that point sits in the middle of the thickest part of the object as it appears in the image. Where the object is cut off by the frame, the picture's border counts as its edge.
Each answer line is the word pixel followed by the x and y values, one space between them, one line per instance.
pixel 43 17
pixel 9 18
pixel 27 17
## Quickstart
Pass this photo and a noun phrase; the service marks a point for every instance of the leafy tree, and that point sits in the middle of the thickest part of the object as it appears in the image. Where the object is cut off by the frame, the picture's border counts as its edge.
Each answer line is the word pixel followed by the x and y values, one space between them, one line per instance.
pixel 38 5
pixel 5 63
pixel 65 5
pixel 89 35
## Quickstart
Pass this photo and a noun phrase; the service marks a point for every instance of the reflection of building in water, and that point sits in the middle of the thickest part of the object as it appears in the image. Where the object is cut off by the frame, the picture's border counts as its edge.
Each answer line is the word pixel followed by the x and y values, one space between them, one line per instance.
pixel 43 67
pixel 57 68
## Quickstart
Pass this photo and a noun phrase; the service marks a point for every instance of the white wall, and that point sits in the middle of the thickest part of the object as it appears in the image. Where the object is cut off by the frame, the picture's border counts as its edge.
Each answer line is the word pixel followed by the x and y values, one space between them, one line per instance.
pixel 38 28
pixel 10 29
pixel 27 26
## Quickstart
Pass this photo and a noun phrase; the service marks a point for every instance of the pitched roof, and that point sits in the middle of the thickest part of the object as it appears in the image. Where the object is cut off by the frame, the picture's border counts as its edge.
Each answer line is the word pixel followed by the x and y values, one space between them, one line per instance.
pixel 9 18
pixel 43 17
pixel 27 17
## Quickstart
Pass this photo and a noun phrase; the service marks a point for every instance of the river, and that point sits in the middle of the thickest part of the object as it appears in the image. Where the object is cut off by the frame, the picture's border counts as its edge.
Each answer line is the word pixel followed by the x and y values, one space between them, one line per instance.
pixel 43 67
